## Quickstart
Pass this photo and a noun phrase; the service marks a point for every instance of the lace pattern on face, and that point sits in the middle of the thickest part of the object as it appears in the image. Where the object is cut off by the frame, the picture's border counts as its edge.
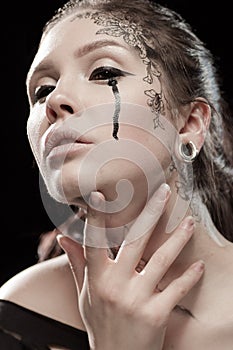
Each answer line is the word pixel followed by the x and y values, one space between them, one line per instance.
pixel 122 25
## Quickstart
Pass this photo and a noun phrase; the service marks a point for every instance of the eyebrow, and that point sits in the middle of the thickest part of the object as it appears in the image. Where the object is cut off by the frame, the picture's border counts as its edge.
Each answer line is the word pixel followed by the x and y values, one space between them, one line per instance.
pixel 86 49
pixel 44 66
pixel 80 52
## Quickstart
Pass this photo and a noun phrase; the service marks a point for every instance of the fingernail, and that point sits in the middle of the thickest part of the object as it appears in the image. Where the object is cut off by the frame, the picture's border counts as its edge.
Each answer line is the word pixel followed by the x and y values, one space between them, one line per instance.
pixel 163 192
pixel 199 266
pixel 60 240
pixel 59 236
pixel 95 200
pixel 187 223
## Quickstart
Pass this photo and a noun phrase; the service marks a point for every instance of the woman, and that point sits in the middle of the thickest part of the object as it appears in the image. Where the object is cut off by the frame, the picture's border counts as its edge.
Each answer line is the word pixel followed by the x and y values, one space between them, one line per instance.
pixel 128 130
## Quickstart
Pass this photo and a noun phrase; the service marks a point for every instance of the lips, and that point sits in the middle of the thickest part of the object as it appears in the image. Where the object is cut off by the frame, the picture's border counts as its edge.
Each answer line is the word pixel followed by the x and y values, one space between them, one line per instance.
pixel 62 137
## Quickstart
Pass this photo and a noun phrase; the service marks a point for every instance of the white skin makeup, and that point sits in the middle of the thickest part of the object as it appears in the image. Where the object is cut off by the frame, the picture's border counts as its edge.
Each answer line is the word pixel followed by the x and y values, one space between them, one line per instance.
pixel 89 96
pixel 69 93
pixel 70 131
pixel 78 97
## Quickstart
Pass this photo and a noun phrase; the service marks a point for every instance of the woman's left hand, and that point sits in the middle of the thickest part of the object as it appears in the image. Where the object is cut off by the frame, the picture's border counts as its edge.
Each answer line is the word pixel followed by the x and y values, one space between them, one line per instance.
pixel 120 307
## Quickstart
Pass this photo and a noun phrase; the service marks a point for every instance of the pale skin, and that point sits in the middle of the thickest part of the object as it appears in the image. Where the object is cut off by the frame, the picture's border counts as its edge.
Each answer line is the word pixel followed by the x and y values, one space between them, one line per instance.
pixel 119 307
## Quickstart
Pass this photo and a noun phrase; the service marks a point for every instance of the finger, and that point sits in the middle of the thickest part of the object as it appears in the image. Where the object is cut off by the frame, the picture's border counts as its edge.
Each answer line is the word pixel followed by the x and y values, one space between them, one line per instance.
pixel 133 247
pixel 95 242
pixel 180 287
pixel 75 256
pixel 73 223
pixel 163 258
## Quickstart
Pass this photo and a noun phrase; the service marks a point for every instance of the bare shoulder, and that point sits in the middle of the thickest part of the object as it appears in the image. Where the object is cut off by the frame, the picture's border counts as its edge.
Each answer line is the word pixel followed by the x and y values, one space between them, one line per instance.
pixel 35 279
pixel 47 288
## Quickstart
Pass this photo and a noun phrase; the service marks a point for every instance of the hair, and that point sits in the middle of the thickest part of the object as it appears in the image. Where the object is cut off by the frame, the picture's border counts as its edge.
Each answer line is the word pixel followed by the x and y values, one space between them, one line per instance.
pixel 189 72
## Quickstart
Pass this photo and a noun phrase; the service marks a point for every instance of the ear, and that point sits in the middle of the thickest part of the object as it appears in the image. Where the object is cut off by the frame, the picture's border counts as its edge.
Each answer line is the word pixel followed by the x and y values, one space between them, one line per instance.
pixel 196 123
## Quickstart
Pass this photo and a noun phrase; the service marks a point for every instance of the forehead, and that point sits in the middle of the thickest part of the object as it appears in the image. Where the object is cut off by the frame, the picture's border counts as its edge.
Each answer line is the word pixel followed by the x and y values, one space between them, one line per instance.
pixel 72 34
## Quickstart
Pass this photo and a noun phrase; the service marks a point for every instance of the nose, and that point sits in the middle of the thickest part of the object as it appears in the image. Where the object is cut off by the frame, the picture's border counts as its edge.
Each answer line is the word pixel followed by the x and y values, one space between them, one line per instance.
pixel 60 105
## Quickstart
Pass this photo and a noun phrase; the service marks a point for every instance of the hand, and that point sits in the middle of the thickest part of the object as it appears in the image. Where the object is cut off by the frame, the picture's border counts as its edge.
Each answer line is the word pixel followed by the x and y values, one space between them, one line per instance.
pixel 121 308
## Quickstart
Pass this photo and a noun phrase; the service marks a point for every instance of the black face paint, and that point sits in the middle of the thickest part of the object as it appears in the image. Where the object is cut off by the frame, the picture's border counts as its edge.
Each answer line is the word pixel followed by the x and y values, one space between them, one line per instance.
pixel 113 83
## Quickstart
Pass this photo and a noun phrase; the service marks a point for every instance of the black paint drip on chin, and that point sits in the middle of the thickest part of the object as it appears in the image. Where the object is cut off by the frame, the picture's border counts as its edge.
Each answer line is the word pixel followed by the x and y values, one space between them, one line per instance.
pixel 113 83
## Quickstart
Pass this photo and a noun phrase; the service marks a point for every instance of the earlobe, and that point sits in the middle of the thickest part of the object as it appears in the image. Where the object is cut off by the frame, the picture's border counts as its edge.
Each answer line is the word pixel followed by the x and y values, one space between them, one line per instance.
pixel 197 123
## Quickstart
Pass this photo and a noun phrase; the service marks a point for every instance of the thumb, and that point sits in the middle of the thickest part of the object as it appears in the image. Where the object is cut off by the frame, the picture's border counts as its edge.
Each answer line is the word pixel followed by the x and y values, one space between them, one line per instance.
pixel 74 252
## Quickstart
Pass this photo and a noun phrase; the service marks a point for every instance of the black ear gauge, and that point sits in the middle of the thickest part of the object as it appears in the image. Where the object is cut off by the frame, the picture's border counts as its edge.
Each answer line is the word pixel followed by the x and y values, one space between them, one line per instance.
pixel 113 83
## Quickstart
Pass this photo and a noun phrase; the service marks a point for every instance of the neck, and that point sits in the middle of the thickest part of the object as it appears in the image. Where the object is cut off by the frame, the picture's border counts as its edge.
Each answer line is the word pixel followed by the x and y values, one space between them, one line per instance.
pixel 206 244
pixel 205 233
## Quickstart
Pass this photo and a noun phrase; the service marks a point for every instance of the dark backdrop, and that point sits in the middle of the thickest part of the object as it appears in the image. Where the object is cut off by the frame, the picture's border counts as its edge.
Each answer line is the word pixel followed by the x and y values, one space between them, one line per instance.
pixel 23 215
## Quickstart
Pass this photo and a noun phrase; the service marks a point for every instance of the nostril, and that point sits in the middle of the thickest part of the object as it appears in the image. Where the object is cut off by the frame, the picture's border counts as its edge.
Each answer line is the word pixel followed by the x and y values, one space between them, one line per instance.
pixel 58 111
pixel 67 108
pixel 53 114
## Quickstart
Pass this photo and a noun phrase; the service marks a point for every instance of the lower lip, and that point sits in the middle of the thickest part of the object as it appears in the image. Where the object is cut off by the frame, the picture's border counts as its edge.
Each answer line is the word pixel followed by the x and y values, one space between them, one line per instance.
pixel 68 150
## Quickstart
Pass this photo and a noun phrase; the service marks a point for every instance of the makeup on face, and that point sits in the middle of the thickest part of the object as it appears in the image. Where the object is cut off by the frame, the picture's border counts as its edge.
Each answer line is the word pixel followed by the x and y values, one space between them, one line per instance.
pixel 113 83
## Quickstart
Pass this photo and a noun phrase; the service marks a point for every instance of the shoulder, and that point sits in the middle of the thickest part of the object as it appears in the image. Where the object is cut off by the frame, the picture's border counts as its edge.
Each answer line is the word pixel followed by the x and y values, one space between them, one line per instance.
pixel 47 288
pixel 35 280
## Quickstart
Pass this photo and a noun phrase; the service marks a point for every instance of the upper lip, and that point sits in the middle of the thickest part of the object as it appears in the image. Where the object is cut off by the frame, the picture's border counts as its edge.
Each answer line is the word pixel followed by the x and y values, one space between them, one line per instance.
pixel 61 136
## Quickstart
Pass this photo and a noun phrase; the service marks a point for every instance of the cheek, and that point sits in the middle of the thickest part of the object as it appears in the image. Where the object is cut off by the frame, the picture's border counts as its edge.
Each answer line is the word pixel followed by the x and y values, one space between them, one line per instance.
pixel 146 139
pixel 36 127
pixel 133 91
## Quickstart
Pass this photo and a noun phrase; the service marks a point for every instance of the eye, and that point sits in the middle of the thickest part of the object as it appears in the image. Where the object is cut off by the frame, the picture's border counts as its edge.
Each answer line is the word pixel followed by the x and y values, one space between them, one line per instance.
pixel 42 92
pixel 106 73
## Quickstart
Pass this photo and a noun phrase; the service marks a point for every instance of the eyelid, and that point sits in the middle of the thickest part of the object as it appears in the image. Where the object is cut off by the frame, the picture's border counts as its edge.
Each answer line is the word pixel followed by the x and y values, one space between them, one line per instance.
pixel 40 79
pixel 45 90
pixel 114 72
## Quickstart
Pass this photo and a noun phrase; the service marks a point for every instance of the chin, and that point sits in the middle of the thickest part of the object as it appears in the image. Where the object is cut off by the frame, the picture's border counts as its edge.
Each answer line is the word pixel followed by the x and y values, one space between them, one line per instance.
pixel 52 185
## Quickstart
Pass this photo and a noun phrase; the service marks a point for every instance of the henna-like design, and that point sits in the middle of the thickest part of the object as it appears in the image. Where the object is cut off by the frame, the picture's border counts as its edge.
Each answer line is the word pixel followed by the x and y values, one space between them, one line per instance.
pixel 181 187
pixel 155 102
pixel 132 35
pixel 121 25
pixel 195 207
pixel 151 70
pixel 172 166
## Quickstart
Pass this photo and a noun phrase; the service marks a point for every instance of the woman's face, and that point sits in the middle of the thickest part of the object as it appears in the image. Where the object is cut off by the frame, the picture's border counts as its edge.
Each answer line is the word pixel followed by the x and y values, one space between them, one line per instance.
pixel 71 115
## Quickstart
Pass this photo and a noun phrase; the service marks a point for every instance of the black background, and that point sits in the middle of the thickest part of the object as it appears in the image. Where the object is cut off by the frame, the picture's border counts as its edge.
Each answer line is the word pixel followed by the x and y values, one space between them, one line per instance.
pixel 23 215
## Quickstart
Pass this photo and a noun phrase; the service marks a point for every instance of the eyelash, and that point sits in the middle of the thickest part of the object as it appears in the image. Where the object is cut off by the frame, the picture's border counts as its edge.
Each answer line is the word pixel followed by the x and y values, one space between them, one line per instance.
pixel 42 92
pixel 106 73
pixel 101 73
